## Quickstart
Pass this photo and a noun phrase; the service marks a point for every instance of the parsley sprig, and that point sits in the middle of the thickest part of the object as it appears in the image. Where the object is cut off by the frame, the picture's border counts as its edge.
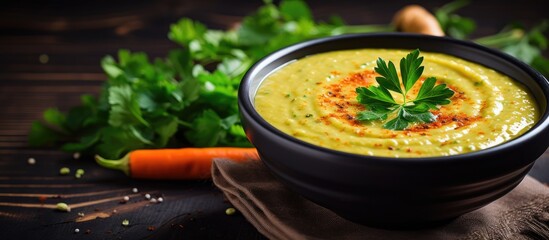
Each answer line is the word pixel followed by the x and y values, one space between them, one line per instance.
pixel 380 104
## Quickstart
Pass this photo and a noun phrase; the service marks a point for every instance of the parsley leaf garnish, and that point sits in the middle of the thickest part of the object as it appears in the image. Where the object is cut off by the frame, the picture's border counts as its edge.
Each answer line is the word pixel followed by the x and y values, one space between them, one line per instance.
pixel 380 103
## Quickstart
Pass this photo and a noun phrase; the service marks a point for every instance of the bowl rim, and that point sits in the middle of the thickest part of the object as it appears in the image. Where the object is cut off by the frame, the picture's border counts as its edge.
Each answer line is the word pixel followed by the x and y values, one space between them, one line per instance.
pixel 246 104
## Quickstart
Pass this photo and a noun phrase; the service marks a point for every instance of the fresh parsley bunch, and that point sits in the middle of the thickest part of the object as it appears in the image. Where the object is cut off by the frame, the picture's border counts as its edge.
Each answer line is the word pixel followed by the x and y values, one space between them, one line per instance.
pixel 380 104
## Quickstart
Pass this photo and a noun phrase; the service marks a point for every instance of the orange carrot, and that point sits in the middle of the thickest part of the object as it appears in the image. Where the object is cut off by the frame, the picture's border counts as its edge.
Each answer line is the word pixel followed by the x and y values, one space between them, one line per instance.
pixel 182 163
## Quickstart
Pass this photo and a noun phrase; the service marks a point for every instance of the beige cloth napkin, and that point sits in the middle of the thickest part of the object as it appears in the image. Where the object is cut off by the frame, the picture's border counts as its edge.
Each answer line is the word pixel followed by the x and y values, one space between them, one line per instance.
pixel 279 213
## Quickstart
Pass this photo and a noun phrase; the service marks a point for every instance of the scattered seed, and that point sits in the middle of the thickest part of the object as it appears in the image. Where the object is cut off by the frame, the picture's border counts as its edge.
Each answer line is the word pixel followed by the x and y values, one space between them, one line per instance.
pixel 126 198
pixel 134 190
pixel 64 171
pixel 31 161
pixel 147 196
pixel 160 199
pixel 230 211
pixel 126 222
pixel 81 214
pixel 153 200
pixel 76 230
pixel 79 173
pixel 42 198
pixel 114 211
pixel 43 58
pixel 63 207
pixel 151 228
pixel 76 155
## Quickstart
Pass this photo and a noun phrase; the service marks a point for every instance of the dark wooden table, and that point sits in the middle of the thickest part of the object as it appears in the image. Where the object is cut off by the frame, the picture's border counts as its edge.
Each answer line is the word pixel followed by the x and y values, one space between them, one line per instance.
pixel 49 56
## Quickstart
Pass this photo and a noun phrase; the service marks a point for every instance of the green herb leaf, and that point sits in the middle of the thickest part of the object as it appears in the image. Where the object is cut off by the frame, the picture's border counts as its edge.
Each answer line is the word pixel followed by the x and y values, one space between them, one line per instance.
pixel 452 24
pixel 109 66
pixel 260 27
pixel 185 31
pixel 410 69
pixel 417 114
pixel 372 115
pixel 523 50
pixel 375 95
pixel 85 142
pixel 116 142
pixel 55 118
pixel 165 128
pixel 380 103
pixel 295 10
pixel 206 130
pixel 389 77
pixel 181 61
pixel 398 123
pixel 81 117
pixel 125 107
pixel 430 95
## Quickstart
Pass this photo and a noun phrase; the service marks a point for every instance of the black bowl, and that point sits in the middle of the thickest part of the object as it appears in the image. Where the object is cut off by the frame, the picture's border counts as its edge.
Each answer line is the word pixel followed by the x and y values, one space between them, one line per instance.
pixel 396 192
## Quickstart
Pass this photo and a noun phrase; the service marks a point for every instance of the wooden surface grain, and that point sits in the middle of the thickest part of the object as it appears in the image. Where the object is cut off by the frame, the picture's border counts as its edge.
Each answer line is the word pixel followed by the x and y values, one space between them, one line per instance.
pixel 49 56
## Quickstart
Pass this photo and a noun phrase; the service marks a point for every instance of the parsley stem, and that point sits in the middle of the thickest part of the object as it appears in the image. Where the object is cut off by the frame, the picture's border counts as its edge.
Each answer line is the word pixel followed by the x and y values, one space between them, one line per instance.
pixel 183 123
pixel 501 39
pixel 122 164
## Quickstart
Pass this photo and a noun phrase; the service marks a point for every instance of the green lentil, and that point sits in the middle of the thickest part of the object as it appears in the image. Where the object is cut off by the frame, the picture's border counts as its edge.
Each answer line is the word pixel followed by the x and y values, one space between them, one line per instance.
pixel 230 211
pixel 64 171
pixel 63 207
pixel 79 173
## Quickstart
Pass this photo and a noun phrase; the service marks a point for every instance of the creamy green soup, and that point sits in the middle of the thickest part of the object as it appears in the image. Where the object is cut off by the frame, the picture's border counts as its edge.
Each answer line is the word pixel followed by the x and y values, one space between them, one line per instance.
pixel 314 99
